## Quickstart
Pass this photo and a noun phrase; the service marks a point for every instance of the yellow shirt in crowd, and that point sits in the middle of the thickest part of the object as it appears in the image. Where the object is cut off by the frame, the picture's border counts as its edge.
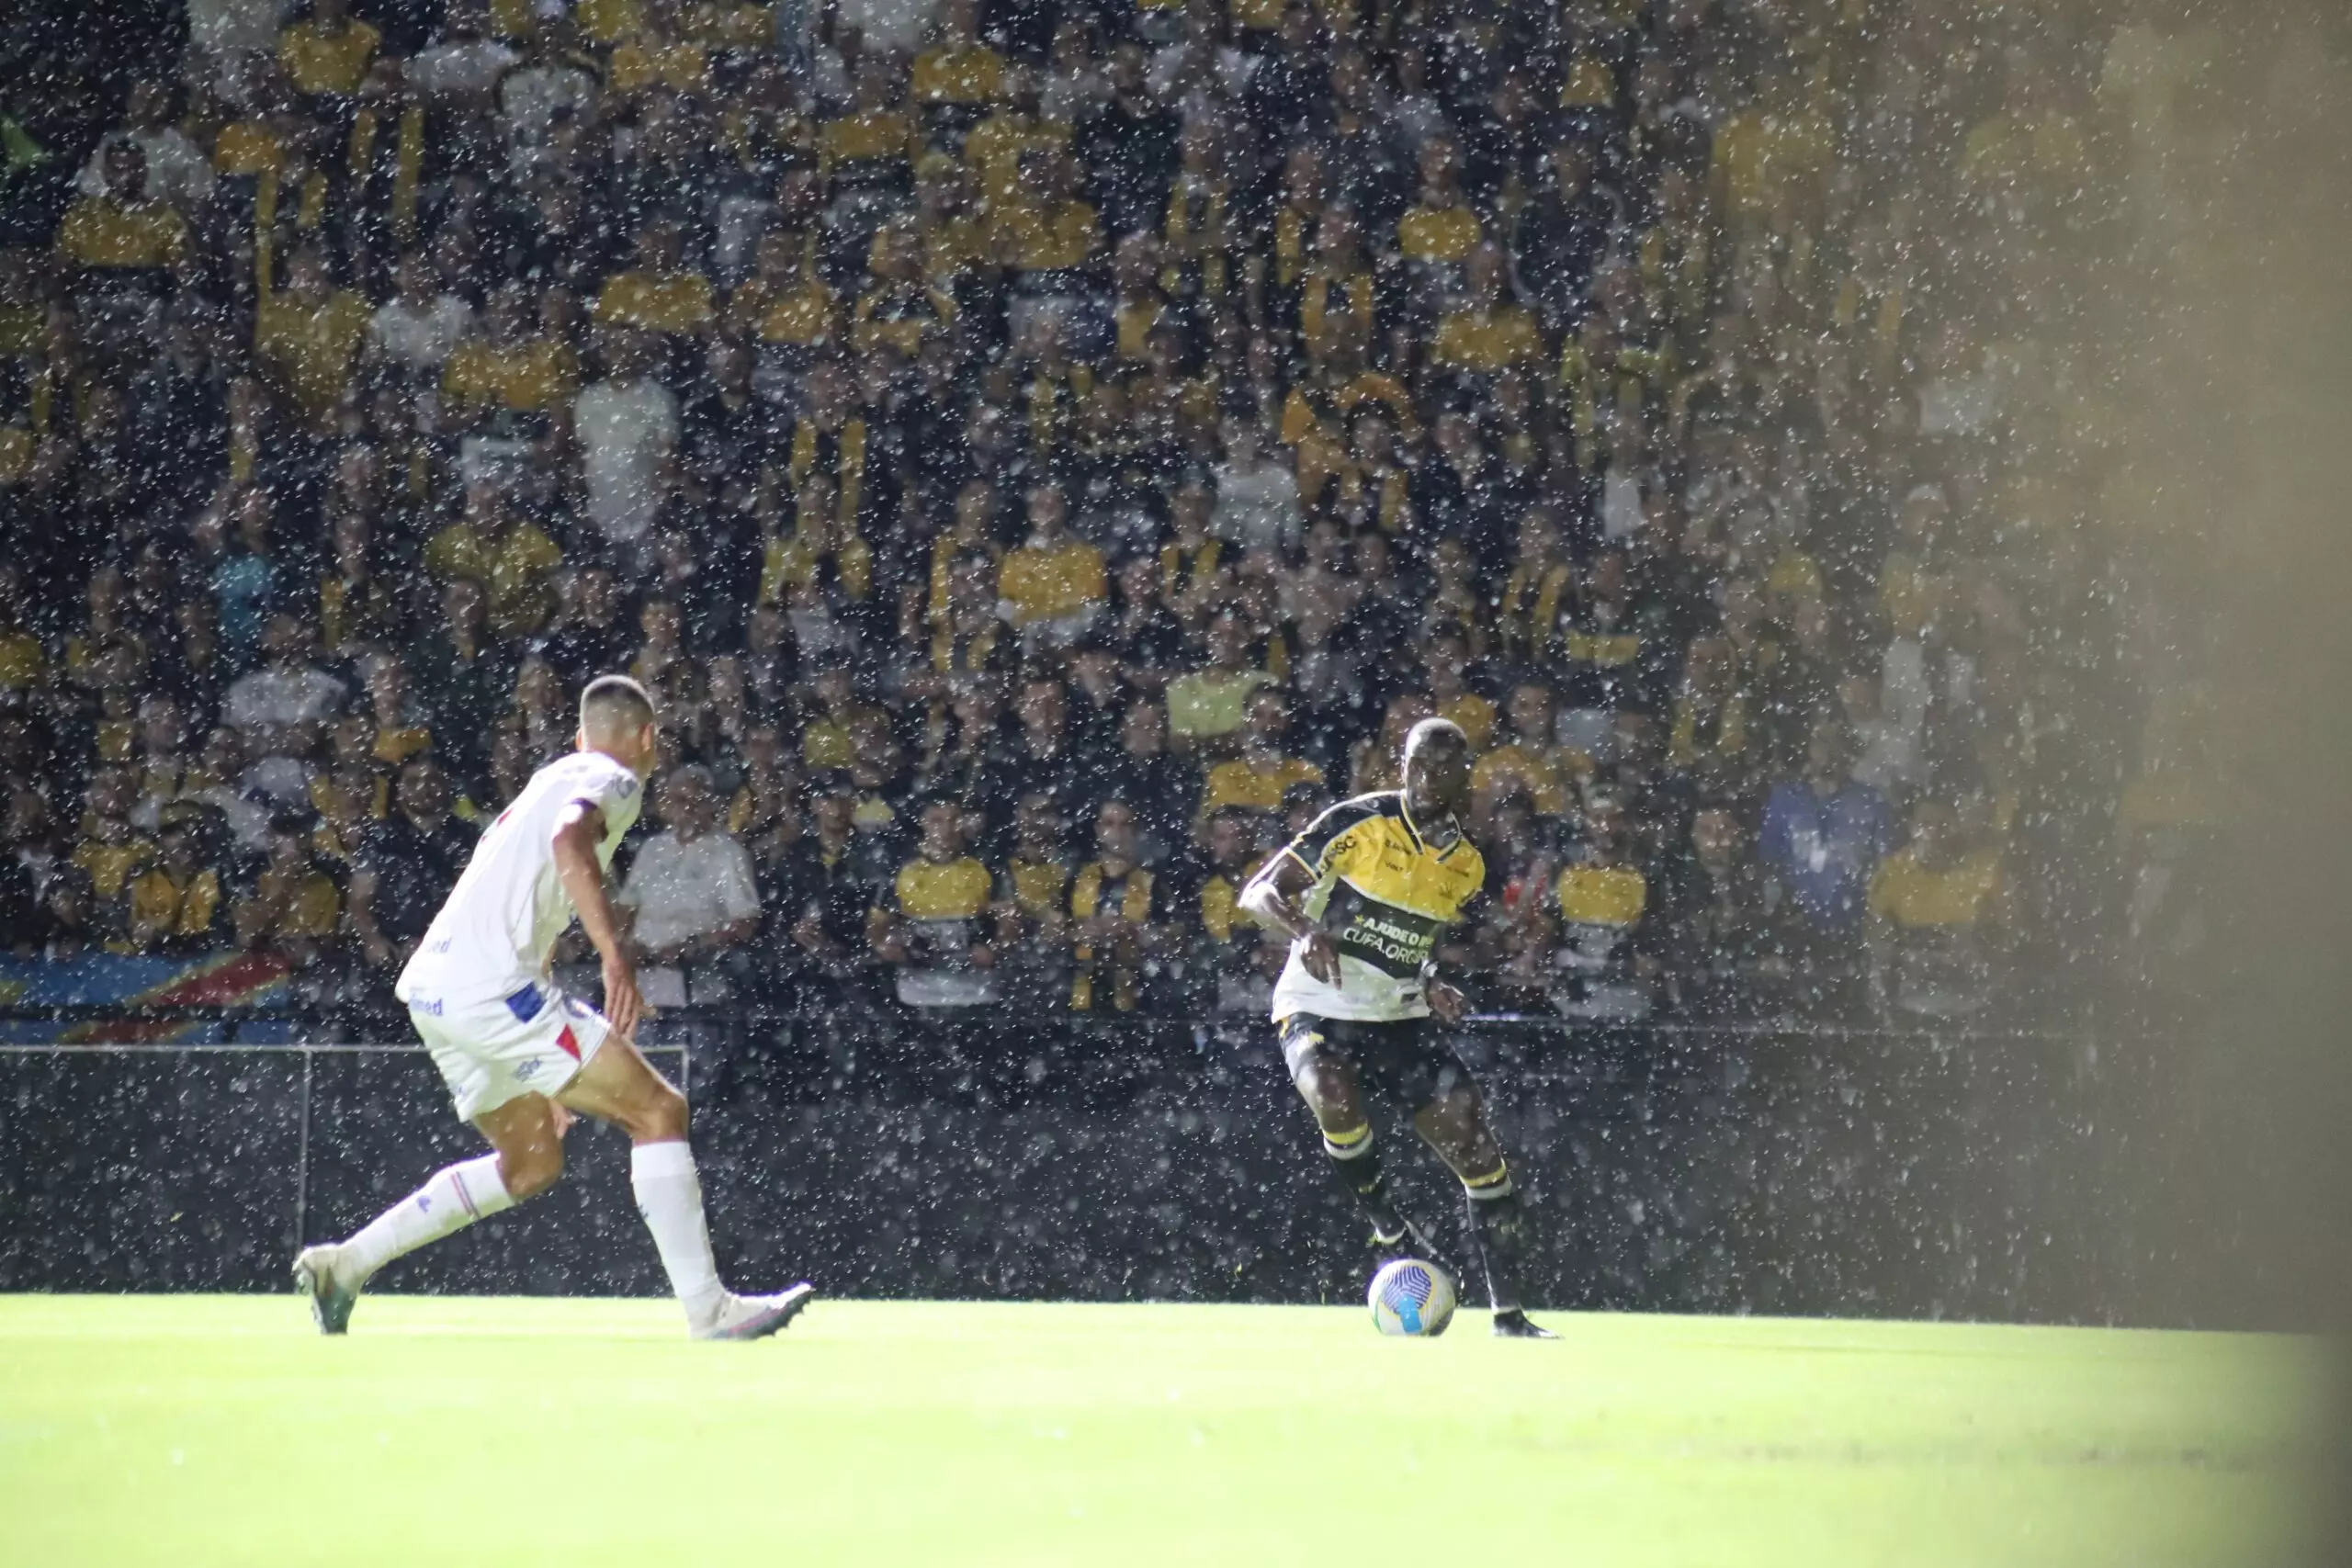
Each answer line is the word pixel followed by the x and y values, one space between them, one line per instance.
pixel 942 890
pixel 514 570
pixel 1257 786
pixel 313 347
pixel 98 233
pixel 1603 895
pixel 1910 895
pixel 1048 584
pixel 319 61
pixel 528 376
pixel 656 301
pixel 1547 773
pixel 957 76
pixel 1437 233
pixel 1490 340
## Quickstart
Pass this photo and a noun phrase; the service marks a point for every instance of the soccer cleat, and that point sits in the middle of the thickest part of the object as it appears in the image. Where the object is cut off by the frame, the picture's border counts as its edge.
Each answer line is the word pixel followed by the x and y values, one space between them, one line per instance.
pixel 331 1304
pixel 1405 1239
pixel 1514 1324
pixel 755 1317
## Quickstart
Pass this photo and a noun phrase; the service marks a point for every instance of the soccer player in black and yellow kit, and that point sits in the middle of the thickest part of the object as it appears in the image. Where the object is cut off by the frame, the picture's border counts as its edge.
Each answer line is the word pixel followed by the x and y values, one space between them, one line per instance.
pixel 1364 896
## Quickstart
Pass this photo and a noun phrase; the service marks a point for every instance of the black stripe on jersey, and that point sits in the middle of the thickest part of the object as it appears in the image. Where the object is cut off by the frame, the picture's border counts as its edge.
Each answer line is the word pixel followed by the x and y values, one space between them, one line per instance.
pixel 1392 941
pixel 1309 846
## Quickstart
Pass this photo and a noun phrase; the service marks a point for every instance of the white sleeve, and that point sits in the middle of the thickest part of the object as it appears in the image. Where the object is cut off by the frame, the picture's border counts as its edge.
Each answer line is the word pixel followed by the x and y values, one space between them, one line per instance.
pixel 737 894
pixel 237 707
pixel 611 789
pixel 645 868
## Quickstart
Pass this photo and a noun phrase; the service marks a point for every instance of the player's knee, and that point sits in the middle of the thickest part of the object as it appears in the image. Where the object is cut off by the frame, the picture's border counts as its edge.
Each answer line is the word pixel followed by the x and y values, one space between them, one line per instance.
pixel 531 1170
pixel 1324 1086
pixel 662 1118
pixel 1454 1127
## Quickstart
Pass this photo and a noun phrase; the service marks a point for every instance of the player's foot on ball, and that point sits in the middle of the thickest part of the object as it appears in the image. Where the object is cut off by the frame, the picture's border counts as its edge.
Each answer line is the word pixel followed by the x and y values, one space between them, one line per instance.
pixel 1402 1240
pixel 331 1299
pixel 1514 1324
pixel 755 1317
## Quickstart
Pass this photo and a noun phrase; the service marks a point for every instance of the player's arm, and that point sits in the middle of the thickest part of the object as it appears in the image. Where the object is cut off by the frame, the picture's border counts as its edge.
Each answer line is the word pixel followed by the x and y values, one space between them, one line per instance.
pixel 582 876
pixel 359 902
pixel 1272 898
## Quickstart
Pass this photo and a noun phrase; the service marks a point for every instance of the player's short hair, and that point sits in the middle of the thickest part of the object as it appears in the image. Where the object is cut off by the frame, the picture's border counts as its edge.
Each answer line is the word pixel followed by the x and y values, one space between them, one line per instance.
pixel 1436 732
pixel 615 704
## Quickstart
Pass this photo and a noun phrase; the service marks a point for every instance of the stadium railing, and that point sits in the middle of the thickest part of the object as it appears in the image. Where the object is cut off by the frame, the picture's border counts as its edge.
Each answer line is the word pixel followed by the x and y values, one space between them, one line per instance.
pixel 1752 1168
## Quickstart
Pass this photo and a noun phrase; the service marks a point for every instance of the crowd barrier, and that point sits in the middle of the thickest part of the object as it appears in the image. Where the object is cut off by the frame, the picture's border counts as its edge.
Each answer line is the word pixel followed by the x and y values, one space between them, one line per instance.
pixel 1755 1170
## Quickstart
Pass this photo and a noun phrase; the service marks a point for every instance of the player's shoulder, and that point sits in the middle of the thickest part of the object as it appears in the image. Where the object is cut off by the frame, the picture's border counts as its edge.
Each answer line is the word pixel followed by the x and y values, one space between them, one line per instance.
pixel 594 769
pixel 1357 820
pixel 1346 813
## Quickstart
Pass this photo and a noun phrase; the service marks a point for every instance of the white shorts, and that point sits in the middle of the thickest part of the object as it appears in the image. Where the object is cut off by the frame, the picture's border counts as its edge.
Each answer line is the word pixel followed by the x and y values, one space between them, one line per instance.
pixel 534 1041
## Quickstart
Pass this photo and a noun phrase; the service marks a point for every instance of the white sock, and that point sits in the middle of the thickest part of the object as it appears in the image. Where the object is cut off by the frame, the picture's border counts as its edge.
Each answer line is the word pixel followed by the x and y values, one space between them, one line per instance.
pixel 451 1199
pixel 669 1194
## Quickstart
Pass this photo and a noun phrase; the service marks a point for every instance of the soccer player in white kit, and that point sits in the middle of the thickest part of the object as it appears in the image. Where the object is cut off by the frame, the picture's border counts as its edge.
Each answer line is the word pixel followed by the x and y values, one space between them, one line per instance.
pixel 513 1048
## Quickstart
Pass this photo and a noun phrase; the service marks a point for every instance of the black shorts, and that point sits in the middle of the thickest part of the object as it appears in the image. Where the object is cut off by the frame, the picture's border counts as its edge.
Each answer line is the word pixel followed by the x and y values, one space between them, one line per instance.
pixel 1409 1060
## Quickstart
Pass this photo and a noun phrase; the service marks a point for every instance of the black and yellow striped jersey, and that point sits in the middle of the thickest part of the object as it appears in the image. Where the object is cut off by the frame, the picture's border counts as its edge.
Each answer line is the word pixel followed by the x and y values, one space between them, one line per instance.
pixel 1386 887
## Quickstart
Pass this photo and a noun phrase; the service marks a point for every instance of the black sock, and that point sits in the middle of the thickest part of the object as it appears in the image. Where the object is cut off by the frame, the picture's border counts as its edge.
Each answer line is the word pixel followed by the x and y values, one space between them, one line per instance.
pixel 1499 1222
pixel 1355 1160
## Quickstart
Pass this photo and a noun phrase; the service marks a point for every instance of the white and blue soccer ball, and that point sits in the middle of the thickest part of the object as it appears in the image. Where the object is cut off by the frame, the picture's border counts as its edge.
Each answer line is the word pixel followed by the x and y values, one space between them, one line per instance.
pixel 1412 1298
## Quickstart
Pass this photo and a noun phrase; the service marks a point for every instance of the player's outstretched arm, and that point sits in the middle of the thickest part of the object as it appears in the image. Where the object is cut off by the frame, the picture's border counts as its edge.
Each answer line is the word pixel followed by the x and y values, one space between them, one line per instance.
pixel 1272 898
pixel 582 876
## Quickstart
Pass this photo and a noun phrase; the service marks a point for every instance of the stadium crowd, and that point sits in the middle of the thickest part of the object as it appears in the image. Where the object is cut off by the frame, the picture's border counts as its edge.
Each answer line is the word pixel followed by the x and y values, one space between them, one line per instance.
pixel 1041 454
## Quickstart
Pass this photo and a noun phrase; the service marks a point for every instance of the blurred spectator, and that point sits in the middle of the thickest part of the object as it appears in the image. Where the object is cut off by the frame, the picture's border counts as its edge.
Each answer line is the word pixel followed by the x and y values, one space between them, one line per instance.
pixel 1822 838
pixel 817 902
pixel 932 924
pixel 23 924
pixel 1261 773
pixel 308 335
pixel 294 908
pixel 690 891
pixel 328 53
pixel 1721 946
pixel 110 854
pixel 511 560
pixel 1529 760
pixel 177 904
pixel 122 227
pixel 1053 586
pixel 1939 914
pixel 403 867
pixel 279 706
pixel 627 425
pixel 1117 916
pixel 1605 962
pixel 420 325
pixel 175 168
pixel 1031 916
pixel 1053 397
pixel 1210 703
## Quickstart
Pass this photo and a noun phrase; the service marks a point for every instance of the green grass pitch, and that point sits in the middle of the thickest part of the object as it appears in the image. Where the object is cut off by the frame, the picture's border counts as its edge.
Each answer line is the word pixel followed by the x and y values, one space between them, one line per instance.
pixel 190 1431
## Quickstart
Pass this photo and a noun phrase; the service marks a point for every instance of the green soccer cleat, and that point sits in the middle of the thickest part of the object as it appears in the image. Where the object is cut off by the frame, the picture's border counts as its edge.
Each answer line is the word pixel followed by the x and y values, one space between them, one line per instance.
pixel 1514 1324
pixel 331 1304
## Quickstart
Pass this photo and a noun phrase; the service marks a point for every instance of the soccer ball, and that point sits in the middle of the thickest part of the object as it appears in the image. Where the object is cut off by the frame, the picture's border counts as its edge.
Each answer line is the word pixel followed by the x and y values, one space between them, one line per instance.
pixel 1410 1297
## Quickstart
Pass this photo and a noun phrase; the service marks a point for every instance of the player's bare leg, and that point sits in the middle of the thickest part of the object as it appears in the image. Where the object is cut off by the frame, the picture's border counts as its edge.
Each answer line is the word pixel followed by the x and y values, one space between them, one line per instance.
pixel 617 1085
pixel 1455 1125
pixel 526 1159
pixel 1329 1086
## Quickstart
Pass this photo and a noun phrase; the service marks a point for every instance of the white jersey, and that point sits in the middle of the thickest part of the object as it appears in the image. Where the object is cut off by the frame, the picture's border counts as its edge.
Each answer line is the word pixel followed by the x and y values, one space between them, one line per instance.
pixel 496 933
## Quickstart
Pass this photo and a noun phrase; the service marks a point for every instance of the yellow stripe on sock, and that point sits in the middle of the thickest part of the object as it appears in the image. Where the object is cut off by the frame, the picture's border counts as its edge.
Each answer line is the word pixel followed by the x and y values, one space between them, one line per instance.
pixel 1350 1139
pixel 1501 1173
